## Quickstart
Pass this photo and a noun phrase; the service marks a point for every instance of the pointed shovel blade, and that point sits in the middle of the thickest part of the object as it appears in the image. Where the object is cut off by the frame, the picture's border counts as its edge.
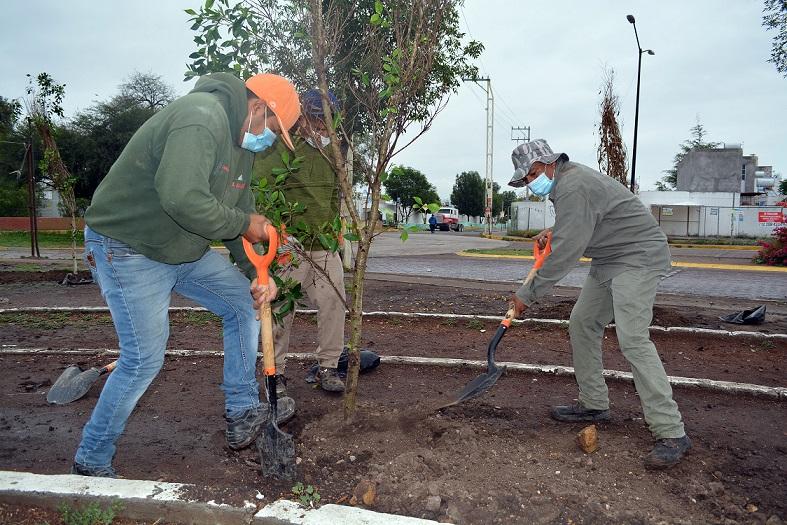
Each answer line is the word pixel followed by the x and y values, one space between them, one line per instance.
pixel 476 387
pixel 72 384
pixel 277 452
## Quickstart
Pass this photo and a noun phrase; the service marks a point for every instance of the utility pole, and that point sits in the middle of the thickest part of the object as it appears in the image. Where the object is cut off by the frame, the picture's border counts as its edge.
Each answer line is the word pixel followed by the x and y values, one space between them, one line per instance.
pixel 524 131
pixel 490 128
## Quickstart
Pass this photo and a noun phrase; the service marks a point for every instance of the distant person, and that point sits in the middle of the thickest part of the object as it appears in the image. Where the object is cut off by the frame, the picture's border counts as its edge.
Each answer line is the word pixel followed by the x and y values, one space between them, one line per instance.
pixel 315 185
pixel 599 218
pixel 432 223
pixel 181 182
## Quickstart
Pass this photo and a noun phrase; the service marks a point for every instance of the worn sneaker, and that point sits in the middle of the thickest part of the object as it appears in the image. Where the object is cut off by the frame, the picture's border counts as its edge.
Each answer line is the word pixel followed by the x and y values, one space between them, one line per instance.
pixel 285 406
pixel 667 452
pixel 243 429
pixel 329 380
pixel 576 413
pixel 96 472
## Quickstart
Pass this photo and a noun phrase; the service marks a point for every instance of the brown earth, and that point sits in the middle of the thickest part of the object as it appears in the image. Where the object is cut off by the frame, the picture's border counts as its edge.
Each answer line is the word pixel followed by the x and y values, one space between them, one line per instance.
pixel 496 459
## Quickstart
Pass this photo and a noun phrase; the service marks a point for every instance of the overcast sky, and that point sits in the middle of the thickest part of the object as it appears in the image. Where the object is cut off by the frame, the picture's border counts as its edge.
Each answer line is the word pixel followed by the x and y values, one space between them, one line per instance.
pixel 545 59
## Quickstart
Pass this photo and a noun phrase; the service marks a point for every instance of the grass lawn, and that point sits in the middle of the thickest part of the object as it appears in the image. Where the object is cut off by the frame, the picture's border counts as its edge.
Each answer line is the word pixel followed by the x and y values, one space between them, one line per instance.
pixel 46 239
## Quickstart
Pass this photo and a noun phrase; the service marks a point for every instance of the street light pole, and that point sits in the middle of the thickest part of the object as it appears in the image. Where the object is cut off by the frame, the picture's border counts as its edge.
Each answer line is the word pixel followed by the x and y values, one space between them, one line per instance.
pixel 631 20
pixel 490 128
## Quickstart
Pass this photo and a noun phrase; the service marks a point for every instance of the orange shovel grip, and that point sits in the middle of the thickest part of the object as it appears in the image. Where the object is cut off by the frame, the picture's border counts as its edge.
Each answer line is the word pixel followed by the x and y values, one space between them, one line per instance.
pixel 540 254
pixel 263 262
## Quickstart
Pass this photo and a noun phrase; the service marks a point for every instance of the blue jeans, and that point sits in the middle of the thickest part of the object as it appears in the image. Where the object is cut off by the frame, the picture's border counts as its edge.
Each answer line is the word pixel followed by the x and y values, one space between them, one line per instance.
pixel 138 292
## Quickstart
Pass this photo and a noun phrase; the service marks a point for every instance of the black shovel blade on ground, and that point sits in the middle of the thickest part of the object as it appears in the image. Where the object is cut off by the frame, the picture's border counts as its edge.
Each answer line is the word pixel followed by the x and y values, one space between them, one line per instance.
pixel 276 448
pixel 74 383
pixel 485 381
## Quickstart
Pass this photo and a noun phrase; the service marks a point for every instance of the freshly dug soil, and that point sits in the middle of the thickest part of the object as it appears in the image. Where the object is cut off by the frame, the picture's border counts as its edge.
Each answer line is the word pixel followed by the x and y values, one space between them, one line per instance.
pixel 497 459
pixel 739 359
pixel 395 293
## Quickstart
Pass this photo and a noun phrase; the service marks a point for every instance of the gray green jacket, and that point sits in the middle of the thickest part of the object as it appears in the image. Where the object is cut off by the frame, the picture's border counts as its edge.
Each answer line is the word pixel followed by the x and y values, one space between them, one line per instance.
pixel 182 181
pixel 597 217
pixel 315 185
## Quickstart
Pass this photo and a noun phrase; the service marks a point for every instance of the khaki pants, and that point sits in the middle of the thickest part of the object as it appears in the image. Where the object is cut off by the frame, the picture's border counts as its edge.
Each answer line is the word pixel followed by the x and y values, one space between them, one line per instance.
pixel 330 309
pixel 629 298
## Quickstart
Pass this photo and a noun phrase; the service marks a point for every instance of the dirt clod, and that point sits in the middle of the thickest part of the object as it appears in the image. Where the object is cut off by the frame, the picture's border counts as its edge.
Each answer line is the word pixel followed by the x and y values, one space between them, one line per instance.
pixel 587 439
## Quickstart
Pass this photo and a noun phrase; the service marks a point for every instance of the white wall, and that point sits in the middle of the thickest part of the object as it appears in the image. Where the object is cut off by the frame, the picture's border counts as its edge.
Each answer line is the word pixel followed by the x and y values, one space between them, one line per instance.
pixel 650 198
pixel 528 215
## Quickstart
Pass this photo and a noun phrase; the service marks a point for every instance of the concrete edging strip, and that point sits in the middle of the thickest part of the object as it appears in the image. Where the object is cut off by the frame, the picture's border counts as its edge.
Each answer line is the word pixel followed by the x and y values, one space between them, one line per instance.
pixel 727 387
pixel 153 500
pixel 427 315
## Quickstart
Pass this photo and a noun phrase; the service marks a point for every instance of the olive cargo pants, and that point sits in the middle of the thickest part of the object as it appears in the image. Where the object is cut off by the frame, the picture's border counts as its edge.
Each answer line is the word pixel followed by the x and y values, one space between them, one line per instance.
pixel 628 298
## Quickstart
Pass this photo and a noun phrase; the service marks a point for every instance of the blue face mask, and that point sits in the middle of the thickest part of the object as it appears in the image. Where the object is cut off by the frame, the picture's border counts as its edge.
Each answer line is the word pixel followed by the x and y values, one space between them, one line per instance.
pixel 541 185
pixel 261 142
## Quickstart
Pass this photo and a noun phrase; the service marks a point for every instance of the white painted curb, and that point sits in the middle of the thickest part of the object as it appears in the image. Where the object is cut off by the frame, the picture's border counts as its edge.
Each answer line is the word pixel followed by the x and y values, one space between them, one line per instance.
pixel 728 387
pixel 151 500
pixel 426 315
pixel 144 500
pixel 290 512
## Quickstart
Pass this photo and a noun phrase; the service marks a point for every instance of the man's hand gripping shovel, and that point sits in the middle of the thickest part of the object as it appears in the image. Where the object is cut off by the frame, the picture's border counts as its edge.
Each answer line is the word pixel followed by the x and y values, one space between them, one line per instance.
pixel 485 381
pixel 276 448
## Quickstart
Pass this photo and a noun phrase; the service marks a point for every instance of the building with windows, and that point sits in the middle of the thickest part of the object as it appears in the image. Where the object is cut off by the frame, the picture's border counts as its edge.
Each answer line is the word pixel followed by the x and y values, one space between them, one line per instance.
pixel 726 169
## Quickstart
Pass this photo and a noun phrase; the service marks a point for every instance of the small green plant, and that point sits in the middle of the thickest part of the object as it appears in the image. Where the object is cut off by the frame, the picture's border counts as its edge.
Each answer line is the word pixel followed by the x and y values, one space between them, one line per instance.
pixel 395 321
pixel 475 323
pixel 199 318
pixel 307 495
pixel 449 321
pixel 92 514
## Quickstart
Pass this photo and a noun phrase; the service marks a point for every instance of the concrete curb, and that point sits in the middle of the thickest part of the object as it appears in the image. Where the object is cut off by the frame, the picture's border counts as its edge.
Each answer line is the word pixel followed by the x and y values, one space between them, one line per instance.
pixel 152 500
pixel 427 315
pixel 675 264
pixel 727 387
pixel 746 247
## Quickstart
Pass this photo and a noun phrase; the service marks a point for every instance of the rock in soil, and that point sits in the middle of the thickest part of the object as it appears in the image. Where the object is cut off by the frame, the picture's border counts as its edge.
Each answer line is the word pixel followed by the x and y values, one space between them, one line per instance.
pixel 587 439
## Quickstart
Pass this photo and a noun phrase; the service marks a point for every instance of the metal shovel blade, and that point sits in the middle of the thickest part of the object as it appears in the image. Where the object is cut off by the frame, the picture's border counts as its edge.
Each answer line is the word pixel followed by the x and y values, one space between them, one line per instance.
pixel 484 382
pixel 477 386
pixel 277 452
pixel 72 384
pixel 276 448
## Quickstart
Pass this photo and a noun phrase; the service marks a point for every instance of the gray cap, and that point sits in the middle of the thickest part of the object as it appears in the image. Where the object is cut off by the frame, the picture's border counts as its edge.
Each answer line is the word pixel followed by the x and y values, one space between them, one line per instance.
pixel 526 154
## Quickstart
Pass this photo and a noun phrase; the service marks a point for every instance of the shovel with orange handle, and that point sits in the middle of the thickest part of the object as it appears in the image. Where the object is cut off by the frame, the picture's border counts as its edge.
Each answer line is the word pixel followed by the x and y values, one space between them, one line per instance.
pixel 276 448
pixel 484 382
pixel 74 383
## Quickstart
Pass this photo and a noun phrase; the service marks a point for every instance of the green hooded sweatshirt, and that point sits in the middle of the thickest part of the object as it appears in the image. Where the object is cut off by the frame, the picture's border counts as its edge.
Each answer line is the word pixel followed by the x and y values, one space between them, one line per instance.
pixel 315 184
pixel 182 181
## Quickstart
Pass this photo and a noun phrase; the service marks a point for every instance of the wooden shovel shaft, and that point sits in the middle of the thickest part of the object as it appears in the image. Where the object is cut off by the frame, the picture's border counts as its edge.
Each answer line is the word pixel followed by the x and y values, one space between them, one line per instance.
pixel 266 333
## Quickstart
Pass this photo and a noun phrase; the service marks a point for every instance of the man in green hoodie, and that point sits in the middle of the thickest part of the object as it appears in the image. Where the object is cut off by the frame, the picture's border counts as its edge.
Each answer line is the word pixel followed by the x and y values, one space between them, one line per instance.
pixel 181 182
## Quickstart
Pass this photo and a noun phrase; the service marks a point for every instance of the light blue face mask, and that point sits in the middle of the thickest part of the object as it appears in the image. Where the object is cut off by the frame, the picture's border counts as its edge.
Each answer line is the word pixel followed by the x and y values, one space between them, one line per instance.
pixel 541 185
pixel 261 142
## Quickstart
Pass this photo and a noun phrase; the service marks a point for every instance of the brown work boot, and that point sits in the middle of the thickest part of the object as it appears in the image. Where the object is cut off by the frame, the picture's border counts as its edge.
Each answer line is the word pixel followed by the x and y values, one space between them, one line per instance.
pixel 329 380
pixel 667 452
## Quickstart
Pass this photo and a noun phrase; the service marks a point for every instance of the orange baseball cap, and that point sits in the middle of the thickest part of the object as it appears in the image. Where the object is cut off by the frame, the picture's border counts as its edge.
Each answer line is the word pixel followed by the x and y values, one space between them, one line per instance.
pixel 280 96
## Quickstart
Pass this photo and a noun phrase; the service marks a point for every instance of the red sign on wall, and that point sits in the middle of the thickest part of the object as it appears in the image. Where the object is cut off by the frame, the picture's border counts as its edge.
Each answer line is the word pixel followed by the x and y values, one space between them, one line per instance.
pixel 770 216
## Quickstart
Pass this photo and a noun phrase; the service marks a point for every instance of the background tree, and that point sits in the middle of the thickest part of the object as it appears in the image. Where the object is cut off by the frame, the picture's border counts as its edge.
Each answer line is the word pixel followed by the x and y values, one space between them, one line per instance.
pixel 146 90
pixel 468 193
pixel 393 65
pixel 775 17
pixel 13 192
pixel 501 203
pixel 43 104
pixel 696 142
pixel 611 153
pixel 783 187
pixel 404 184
